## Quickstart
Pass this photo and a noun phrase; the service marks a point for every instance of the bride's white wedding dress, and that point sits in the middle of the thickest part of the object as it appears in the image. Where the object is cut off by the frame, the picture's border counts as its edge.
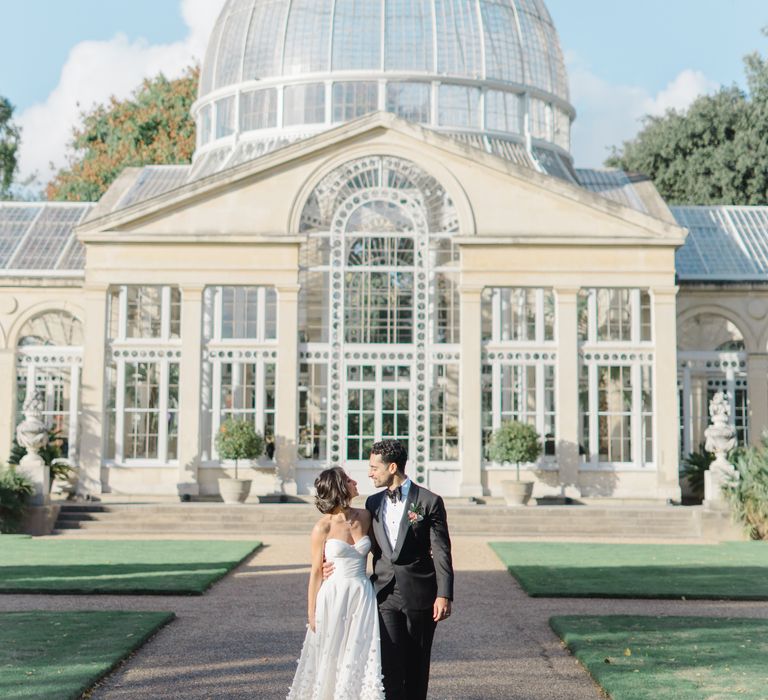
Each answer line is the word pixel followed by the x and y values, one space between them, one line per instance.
pixel 342 660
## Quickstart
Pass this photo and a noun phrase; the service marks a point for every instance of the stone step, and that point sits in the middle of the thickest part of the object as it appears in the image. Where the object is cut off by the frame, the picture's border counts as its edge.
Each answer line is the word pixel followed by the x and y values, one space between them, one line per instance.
pixel 545 521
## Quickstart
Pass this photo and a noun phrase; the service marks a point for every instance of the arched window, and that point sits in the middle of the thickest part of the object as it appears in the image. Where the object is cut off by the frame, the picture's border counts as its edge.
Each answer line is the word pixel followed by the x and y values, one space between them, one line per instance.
pixel 57 328
pixel 48 360
pixel 711 357
pixel 380 324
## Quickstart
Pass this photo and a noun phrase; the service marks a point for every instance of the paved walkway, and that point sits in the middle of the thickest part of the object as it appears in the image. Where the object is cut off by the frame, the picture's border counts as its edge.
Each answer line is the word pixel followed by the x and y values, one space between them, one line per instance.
pixel 242 639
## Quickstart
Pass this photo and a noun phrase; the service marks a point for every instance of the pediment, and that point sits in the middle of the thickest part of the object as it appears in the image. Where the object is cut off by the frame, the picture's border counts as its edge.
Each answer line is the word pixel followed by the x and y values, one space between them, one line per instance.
pixel 496 200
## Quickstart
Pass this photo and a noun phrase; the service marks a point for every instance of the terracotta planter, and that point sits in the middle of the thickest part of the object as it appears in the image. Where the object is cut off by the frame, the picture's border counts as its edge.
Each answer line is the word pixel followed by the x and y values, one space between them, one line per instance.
pixel 234 490
pixel 517 493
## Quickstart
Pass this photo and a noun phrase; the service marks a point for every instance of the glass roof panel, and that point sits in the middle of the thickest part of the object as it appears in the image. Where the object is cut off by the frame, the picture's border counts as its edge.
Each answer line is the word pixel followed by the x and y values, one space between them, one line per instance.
pixel 46 239
pixel 40 236
pixel 14 222
pixel 503 52
pixel 232 44
pixel 153 181
pixel 612 184
pixel 458 38
pixel 408 36
pixel 211 54
pixel 535 48
pixel 264 45
pixel 724 243
pixel 74 257
pixel 307 38
pixel 356 35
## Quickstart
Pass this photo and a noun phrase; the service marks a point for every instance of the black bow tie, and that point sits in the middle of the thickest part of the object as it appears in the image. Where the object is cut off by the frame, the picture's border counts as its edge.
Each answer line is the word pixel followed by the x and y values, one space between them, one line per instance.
pixel 395 494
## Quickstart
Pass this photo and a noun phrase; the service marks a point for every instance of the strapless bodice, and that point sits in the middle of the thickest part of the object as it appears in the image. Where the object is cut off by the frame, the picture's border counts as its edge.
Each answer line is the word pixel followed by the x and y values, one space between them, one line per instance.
pixel 348 559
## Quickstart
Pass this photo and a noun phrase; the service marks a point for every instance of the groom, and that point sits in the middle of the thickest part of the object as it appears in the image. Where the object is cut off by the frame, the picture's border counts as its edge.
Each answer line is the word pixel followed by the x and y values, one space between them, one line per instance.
pixel 412 570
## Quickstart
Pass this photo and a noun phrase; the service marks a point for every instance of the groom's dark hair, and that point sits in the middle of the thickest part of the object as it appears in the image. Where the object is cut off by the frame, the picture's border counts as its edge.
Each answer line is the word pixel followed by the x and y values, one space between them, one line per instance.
pixel 391 451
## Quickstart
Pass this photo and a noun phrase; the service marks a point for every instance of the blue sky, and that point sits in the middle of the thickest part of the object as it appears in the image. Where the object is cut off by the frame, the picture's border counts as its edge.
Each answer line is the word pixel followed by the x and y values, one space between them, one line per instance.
pixel 625 58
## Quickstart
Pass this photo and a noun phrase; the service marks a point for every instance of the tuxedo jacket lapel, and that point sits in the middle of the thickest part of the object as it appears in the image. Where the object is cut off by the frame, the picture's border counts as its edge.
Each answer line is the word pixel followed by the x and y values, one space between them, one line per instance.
pixel 402 533
pixel 379 528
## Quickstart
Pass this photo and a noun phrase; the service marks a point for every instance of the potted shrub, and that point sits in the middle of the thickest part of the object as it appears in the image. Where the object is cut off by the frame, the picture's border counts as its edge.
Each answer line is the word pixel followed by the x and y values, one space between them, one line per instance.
pixel 237 439
pixel 15 493
pixel 515 442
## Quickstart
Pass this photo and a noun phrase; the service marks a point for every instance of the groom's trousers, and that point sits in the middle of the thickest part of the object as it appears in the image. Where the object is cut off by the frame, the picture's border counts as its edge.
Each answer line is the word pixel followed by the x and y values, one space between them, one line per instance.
pixel 406 646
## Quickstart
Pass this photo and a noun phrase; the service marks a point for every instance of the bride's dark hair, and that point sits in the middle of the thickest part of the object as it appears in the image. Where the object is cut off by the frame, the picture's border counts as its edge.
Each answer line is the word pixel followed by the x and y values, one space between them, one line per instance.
pixel 331 490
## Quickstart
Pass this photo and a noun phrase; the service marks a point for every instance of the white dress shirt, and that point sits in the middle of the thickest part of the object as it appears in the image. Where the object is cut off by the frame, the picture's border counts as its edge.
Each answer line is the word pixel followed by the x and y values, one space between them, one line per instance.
pixel 392 513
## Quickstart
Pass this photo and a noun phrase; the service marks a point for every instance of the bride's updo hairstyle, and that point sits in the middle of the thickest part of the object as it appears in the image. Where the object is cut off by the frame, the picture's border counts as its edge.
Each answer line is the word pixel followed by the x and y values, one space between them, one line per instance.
pixel 331 490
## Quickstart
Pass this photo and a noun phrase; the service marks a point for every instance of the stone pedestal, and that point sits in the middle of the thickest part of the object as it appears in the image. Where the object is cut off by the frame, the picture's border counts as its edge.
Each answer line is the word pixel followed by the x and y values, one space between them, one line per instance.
pixel 39 473
pixel 714 479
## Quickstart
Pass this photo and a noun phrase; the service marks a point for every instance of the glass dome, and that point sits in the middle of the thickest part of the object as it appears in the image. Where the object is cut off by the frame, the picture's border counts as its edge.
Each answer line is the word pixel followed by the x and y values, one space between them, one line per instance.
pixel 487 71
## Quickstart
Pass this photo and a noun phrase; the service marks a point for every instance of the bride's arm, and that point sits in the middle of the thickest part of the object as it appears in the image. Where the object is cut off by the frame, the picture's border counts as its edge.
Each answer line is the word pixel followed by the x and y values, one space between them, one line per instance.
pixel 316 572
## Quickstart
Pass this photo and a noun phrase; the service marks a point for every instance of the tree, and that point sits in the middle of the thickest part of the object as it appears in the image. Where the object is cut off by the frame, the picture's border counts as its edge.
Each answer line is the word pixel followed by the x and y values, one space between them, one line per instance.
pixel 10 138
pixel 715 152
pixel 153 126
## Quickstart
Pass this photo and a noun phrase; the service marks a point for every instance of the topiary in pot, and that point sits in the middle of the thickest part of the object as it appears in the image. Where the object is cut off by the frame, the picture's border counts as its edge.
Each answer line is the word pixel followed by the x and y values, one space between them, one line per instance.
pixel 238 439
pixel 514 442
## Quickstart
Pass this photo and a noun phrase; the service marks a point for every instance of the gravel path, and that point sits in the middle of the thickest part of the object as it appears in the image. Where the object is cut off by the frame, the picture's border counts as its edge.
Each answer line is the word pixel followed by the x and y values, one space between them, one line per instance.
pixel 242 639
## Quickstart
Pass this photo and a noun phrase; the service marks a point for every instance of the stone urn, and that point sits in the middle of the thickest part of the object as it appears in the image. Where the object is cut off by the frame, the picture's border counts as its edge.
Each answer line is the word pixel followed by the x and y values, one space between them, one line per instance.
pixel 32 435
pixel 516 493
pixel 234 490
pixel 720 439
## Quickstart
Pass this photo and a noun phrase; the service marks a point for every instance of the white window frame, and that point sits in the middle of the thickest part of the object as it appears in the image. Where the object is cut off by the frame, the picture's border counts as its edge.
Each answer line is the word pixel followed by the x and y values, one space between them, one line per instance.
pixel 162 351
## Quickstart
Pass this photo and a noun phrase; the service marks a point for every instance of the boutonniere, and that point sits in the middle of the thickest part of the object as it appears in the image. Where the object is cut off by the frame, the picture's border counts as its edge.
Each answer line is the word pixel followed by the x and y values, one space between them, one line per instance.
pixel 415 513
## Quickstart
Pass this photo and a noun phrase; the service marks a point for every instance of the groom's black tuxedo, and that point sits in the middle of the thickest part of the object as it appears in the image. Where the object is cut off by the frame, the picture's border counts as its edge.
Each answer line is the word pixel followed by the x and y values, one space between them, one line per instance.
pixel 421 561
pixel 407 581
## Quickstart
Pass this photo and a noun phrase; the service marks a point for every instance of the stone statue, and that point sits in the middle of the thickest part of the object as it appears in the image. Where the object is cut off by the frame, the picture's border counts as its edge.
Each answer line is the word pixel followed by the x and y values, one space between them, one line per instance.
pixel 32 435
pixel 32 432
pixel 720 439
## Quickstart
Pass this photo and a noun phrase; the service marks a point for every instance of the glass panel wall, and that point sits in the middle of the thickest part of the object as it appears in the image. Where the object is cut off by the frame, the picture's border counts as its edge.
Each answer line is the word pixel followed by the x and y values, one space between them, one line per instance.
pixel 616 378
pixel 458 106
pixel 519 366
pixel 143 375
pixel 351 100
pixel 239 374
pixel 258 110
pixel 410 101
pixel 304 104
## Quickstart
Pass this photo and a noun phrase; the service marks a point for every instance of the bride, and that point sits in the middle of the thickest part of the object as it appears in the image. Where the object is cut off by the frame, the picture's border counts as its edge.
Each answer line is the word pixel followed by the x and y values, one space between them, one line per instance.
pixel 341 657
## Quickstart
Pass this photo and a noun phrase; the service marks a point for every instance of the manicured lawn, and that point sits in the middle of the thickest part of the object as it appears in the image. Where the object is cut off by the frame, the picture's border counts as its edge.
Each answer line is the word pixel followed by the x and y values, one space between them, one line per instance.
pixel 733 570
pixel 675 658
pixel 158 567
pixel 61 654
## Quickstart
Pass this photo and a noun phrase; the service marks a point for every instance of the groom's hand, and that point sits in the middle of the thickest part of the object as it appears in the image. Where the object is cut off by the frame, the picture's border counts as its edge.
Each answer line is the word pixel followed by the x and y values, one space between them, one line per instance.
pixel 327 570
pixel 441 610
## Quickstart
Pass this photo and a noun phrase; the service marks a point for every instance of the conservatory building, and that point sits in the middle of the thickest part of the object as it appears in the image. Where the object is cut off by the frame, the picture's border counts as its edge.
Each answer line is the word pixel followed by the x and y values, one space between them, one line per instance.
pixel 381 234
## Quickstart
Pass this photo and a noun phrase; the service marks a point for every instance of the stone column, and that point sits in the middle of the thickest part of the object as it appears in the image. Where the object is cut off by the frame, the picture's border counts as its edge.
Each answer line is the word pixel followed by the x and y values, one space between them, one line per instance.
pixel 757 391
pixel 567 390
pixel 665 387
pixel 287 389
pixel 190 374
pixel 92 391
pixel 470 391
pixel 7 401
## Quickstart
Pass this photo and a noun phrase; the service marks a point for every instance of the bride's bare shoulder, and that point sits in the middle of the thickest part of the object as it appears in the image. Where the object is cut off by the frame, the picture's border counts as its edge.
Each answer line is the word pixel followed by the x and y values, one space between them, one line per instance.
pixel 322 526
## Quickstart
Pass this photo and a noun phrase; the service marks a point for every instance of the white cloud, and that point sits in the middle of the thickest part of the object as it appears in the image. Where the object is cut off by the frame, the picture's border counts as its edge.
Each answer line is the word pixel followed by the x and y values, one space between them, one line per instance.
pixel 96 70
pixel 609 114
